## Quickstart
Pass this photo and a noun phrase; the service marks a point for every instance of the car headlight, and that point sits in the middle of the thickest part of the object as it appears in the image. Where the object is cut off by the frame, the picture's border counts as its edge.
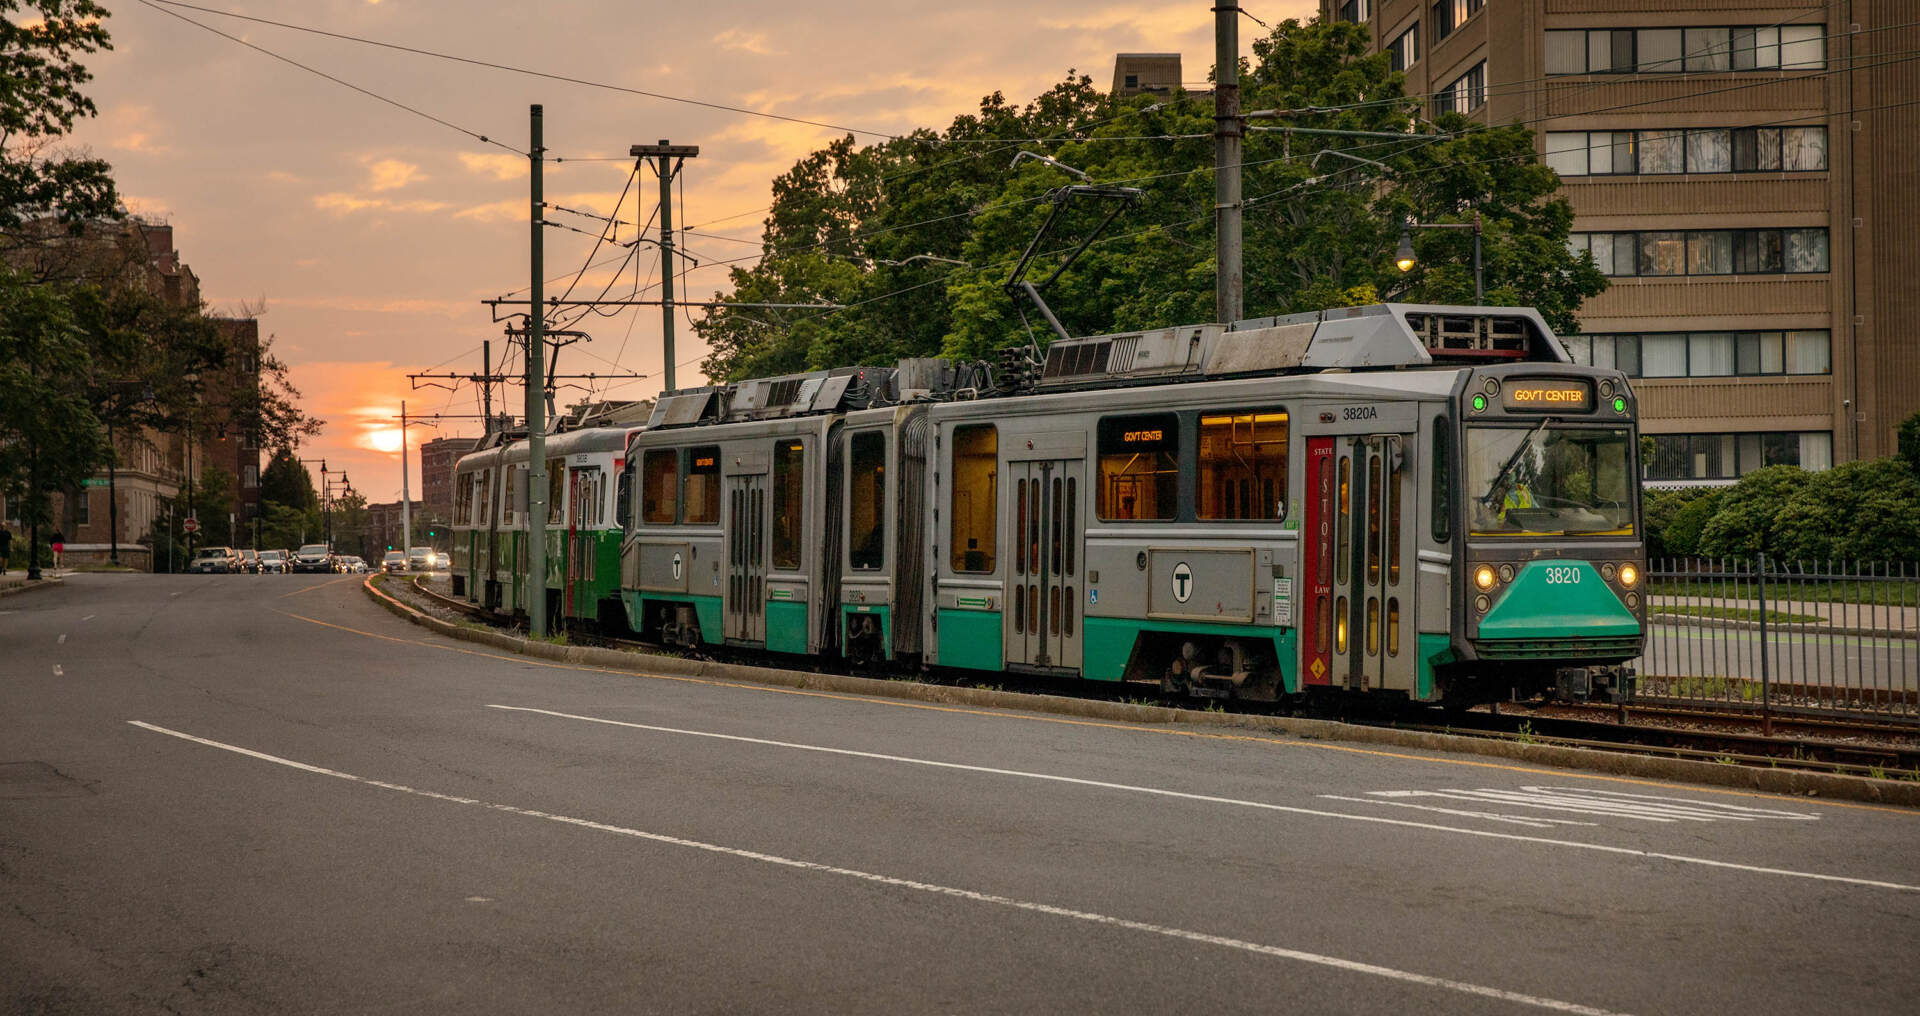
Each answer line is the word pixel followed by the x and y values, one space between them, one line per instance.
pixel 1629 575
pixel 1483 576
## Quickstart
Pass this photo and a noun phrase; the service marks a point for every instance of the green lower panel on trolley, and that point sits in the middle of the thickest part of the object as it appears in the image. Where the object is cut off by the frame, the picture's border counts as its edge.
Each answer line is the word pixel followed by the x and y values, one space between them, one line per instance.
pixel 1109 643
pixel 1435 650
pixel 971 639
pixel 1559 600
pixel 705 608
pixel 786 627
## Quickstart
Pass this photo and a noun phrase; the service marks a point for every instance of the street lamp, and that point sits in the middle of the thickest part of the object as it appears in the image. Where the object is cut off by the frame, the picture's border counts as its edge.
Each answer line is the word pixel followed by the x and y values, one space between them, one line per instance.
pixel 1404 260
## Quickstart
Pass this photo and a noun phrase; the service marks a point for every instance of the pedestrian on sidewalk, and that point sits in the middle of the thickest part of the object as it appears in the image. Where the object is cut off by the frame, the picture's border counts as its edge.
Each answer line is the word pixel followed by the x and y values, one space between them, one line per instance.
pixel 6 547
pixel 59 542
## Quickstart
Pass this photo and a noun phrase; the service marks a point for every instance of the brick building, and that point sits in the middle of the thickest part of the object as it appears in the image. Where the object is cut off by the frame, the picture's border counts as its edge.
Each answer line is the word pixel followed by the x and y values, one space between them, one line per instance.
pixel 1745 171
pixel 436 472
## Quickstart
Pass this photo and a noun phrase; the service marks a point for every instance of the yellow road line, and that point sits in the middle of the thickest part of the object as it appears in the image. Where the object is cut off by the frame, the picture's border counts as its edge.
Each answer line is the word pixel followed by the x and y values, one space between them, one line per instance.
pixel 1097 724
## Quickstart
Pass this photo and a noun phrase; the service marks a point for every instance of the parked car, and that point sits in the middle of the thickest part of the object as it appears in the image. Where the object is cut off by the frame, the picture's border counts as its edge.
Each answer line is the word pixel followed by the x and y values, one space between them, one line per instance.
pixel 274 561
pixel 420 559
pixel 249 561
pixel 215 561
pixel 394 561
pixel 313 557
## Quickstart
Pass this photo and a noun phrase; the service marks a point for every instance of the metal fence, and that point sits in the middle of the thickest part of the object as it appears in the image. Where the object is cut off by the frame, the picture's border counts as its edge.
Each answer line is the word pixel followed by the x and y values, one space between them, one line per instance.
pixel 1780 638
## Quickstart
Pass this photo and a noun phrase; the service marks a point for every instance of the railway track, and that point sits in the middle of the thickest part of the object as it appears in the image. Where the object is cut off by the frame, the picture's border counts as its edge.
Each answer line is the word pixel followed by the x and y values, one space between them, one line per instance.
pixel 1814 745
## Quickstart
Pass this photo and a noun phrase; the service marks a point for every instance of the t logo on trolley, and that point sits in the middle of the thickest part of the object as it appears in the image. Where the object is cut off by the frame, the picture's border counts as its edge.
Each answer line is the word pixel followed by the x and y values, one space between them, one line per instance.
pixel 1182 582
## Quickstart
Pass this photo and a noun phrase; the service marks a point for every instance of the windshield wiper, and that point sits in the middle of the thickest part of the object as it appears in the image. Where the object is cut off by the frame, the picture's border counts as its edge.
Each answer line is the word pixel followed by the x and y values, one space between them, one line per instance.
pixel 1498 489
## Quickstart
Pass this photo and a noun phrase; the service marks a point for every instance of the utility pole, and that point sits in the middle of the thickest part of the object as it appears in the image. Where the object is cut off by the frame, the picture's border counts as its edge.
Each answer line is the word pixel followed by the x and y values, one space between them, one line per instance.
pixel 406 498
pixel 536 398
pixel 486 388
pixel 1228 132
pixel 670 156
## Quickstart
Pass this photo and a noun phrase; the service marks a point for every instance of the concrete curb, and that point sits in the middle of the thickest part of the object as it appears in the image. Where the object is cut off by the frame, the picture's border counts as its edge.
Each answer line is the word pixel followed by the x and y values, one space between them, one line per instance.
pixel 1774 781
pixel 16 588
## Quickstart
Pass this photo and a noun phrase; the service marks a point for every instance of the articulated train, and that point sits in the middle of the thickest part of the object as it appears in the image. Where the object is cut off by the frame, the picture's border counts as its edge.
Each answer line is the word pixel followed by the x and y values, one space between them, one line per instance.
pixel 1423 502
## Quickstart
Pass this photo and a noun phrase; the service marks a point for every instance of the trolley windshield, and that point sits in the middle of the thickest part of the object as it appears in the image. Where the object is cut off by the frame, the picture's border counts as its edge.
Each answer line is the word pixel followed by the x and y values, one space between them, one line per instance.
pixel 1549 480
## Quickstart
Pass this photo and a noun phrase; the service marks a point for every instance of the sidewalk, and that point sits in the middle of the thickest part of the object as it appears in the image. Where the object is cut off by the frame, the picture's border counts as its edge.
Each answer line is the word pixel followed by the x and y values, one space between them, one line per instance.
pixel 1864 616
pixel 15 580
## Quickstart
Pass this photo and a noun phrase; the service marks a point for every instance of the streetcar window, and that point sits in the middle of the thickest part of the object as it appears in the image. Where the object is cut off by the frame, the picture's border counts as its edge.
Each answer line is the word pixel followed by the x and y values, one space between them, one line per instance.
pixel 589 498
pixel 659 486
pixel 1139 468
pixel 867 501
pixel 702 493
pixel 485 494
pixel 510 474
pixel 789 501
pixel 976 458
pixel 1243 465
pixel 556 491
pixel 623 500
pixel 1442 481
pixel 463 500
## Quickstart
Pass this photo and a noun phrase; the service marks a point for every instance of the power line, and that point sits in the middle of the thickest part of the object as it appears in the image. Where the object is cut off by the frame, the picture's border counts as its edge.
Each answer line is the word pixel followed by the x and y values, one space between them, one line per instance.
pixel 162 5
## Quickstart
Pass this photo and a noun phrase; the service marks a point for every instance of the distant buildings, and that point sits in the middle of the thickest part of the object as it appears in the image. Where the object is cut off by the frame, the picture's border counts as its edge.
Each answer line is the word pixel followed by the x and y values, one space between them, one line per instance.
pixel 1143 73
pixel 436 472
pixel 153 466
pixel 1747 172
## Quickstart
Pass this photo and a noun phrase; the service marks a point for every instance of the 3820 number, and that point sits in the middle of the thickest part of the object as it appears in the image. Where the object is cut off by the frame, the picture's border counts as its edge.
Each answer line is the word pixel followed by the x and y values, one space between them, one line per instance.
pixel 1563 576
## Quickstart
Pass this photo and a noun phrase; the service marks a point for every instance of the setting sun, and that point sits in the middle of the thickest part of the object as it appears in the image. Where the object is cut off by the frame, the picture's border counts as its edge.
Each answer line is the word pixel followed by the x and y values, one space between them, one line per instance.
pixel 386 439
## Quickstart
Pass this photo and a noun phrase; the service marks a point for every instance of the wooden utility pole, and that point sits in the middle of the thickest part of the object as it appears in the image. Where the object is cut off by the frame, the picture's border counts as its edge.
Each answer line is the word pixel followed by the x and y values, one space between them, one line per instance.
pixel 1228 131
pixel 670 157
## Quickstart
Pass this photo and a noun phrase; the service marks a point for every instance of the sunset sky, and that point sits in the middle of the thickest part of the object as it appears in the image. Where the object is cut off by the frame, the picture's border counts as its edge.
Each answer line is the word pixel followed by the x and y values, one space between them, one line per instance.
pixel 371 233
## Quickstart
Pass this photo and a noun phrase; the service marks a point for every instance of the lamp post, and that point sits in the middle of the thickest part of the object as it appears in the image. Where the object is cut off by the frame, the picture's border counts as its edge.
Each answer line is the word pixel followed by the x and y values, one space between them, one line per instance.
pixel 1404 258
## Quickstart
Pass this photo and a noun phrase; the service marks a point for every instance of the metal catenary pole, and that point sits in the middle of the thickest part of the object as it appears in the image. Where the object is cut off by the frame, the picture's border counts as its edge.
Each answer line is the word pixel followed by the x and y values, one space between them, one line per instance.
pixel 536 399
pixel 1228 131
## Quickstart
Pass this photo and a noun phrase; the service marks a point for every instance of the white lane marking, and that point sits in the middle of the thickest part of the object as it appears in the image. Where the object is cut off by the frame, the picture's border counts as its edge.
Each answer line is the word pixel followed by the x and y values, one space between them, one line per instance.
pixel 1335 962
pixel 479 899
pixel 1614 803
pixel 1262 805
pixel 62 640
pixel 89 617
pixel 1535 821
pixel 57 672
pixel 176 594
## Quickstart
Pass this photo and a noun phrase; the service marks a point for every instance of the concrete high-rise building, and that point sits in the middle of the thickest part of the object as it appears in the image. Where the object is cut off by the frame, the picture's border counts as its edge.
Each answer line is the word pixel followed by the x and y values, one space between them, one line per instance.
pixel 1746 171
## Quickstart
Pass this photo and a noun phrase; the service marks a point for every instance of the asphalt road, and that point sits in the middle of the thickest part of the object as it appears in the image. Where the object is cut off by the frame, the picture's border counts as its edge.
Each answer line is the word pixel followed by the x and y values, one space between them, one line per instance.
pixel 263 794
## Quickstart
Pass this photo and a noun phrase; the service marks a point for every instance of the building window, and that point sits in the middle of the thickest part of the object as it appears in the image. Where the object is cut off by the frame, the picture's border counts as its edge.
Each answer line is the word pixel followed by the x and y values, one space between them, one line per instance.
pixel 1705 49
pixel 1706 354
pixel 1706 252
pixel 867 501
pixel 1243 466
pixel 1139 468
pixel 1729 456
pixel 1451 14
pixel 975 512
pixel 1467 93
pixel 1404 51
pixel 82 507
pixel 1133 81
pixel 1355 11
pixel 250 475
pixel 702 493
pixel 1702 150
pixel 789 501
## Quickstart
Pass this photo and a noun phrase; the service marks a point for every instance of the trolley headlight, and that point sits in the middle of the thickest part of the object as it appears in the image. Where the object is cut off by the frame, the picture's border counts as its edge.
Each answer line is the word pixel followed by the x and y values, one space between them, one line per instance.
pixel 1483 576
pixel 1629 575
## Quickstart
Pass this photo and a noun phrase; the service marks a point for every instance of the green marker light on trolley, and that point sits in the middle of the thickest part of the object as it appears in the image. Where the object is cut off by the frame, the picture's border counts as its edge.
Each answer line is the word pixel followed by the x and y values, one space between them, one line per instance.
pixel 1479 403
pixel 1619 404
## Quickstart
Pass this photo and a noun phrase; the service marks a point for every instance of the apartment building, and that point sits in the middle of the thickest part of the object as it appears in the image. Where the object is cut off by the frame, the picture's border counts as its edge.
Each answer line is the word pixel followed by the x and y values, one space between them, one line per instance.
pixel 1741 169
pixel 436 472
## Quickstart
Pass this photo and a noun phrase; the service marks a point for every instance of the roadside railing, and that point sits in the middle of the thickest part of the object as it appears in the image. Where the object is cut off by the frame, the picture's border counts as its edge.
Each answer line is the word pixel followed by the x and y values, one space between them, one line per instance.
pixel 1784 638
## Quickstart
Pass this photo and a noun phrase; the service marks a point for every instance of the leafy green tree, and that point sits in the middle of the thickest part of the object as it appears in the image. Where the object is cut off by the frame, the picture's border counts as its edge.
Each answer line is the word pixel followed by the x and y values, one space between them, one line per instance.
pixel 1857 511
pixel 1747 520
pixel 41 42
pixel 852 225
pixel 1909 443
pixel 50 438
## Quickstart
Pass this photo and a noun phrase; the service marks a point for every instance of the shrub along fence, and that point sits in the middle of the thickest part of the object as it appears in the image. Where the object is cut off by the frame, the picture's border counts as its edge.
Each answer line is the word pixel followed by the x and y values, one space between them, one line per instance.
pixel 1780 638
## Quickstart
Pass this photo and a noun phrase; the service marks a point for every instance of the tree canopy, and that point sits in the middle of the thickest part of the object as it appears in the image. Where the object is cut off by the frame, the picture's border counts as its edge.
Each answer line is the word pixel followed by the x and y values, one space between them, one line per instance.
pixel 916 235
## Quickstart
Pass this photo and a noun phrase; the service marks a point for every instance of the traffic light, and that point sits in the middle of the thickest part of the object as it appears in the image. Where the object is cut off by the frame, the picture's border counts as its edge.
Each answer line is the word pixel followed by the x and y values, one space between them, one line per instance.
pixel 389 546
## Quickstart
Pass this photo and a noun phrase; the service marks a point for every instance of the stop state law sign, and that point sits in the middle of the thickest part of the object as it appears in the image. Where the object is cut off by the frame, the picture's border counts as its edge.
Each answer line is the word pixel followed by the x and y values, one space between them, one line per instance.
pixel 190 526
